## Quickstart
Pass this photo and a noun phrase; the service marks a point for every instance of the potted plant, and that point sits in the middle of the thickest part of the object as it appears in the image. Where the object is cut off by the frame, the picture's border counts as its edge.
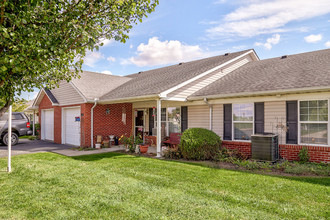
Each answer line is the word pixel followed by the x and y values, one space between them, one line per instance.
pixel 127 141
pixel 143 146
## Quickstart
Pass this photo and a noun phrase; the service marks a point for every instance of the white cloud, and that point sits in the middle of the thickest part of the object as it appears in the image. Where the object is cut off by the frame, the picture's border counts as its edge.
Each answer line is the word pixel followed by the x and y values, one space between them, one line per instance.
pixel 275 39
pixel 131 46
pixel 111 59
pixel 106 42
pixel 92 58
pixel 266 17
pixel 327 44
pixel 313 38
pixel 158 52
pixel 107 72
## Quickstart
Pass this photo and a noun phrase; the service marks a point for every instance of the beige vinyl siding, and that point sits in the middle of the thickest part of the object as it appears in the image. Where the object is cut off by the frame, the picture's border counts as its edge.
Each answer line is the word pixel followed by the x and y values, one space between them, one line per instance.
pixel 275 119
pixel 204 81
pixel 198 116
pixel 217 122
pixel 67 95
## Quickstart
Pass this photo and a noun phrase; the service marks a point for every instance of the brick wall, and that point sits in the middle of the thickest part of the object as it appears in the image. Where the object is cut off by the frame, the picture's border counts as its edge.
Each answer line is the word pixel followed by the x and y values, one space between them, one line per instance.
pixel 243 147
pixel 288 152
pixel 106 124
pixel 316 153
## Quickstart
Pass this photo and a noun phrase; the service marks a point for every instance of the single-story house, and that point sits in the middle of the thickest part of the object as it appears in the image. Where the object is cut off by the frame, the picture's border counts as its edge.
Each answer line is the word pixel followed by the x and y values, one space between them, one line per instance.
pixel 235 95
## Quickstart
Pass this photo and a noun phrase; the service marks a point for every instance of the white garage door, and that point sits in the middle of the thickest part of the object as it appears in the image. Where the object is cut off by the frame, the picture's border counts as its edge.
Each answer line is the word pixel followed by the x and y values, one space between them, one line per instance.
pixel 47 128
pixel 71 126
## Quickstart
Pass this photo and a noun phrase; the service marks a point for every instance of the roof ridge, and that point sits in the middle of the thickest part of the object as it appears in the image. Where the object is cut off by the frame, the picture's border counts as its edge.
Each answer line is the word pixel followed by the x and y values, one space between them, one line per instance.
pixel 188 62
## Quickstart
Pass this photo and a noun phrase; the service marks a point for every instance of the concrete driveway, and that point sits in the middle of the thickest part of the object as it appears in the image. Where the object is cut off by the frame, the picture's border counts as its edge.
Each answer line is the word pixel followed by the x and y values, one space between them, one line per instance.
pixel 26 146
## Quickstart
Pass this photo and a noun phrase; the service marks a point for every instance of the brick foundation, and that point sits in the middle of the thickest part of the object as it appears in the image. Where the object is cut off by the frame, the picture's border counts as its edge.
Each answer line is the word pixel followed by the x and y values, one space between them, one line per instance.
pixel 316 153
pixel 243 147
pixel 289 152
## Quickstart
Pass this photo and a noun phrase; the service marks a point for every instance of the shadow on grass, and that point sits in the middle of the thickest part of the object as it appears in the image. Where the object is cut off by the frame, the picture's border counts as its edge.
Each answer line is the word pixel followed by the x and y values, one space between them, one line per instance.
pixel 95 157
pixel 320 180
pixel 325 181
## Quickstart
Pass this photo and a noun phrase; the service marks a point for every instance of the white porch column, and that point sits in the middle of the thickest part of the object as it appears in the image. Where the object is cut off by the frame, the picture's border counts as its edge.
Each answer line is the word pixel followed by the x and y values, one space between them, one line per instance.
pixel 34 122
pixel 211 117
pixel 159 127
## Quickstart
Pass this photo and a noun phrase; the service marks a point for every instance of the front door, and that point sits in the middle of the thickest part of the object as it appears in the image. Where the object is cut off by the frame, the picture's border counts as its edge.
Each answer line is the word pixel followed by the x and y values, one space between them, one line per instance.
pixel 139 123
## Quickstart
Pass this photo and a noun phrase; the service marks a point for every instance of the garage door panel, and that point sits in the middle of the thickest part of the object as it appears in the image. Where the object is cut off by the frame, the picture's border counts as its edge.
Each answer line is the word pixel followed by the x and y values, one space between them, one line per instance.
pixel 48 125
pixel 71 127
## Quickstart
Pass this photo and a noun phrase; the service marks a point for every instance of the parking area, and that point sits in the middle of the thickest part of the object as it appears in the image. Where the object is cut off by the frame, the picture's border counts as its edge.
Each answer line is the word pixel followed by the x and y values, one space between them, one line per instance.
pixel 26 146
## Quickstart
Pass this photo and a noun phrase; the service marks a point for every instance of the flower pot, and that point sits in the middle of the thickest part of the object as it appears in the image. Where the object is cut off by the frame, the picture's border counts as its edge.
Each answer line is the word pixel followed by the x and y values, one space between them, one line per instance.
pixel 144 149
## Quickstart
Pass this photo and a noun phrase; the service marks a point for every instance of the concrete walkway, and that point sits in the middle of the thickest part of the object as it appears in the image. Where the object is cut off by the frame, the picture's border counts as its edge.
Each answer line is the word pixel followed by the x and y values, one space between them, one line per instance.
pixel 26 146
pixel 72 152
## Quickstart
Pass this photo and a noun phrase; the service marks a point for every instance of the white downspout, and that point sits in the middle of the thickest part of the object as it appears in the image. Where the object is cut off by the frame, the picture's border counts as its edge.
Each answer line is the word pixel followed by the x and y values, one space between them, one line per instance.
pixel 34 121
pixel 9 138
pixel 211 113
pixel 92 122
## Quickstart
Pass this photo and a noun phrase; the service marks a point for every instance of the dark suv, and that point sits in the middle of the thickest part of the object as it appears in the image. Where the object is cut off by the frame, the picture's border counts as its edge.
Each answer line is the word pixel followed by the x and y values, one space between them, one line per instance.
pixel 20 127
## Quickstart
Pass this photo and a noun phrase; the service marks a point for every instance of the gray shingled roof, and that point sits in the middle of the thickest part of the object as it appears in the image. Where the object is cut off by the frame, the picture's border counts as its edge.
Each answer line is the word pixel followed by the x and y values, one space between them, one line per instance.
pixel 298 71
pixel 94 85
pixel 51 96
pixel 155 81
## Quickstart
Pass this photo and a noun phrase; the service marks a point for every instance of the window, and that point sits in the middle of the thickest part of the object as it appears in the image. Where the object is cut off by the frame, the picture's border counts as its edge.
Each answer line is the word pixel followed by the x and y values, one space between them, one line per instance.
pixel 313 122
pixel 243 121
pixel 171 120
pixel 17 117
pixel 174 120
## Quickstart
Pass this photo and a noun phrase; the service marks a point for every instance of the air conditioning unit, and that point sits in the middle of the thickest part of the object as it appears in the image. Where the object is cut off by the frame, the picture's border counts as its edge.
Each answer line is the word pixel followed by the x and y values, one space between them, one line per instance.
pixel 265 146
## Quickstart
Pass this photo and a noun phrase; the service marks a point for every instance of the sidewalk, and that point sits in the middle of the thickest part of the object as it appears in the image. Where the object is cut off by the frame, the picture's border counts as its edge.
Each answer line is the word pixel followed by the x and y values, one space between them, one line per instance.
pixel 73 152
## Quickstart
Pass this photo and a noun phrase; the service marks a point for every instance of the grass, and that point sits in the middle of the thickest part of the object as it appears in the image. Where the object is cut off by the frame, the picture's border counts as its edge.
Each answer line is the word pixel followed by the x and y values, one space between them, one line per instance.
pixel 120 186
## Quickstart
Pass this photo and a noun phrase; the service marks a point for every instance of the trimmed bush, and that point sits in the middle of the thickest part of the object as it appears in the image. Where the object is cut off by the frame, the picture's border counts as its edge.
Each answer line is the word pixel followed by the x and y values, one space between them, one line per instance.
pixel 199 144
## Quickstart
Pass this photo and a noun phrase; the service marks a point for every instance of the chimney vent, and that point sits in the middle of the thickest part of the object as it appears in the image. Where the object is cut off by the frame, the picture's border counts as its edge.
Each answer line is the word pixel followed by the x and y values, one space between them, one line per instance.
pixel 226 54
pixel 284 56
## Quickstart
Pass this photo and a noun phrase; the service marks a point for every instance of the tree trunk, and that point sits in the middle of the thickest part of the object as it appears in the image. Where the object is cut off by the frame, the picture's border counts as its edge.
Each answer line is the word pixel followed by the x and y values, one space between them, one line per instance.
pixel 5 108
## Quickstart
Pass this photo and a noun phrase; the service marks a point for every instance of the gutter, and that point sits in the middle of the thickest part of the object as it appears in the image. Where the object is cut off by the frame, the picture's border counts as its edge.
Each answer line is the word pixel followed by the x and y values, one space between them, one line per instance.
pixel 92 121
pixel 211 112
pixel 263 93
pixel 128 99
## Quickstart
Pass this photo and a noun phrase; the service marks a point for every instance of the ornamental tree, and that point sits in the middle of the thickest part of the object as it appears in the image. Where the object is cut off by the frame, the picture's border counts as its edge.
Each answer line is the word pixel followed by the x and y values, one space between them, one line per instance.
pixel 44 41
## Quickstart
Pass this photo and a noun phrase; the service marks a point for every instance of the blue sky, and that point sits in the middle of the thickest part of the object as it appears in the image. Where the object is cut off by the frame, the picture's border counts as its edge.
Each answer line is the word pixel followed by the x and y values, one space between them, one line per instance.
pixel 183 30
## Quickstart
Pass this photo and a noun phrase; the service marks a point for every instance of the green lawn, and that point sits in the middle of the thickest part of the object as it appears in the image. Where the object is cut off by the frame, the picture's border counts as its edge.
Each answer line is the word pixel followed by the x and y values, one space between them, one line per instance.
pixel 118 186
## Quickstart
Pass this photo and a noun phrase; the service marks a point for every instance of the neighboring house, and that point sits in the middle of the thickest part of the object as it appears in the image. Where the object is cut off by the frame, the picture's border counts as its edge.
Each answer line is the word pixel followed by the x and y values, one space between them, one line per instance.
pixel 31 112
pixel 235 95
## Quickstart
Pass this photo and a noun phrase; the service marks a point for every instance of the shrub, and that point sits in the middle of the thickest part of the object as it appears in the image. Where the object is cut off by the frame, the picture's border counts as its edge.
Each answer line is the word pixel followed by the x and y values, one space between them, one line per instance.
pixel 199 144
pixel 32 138
pixel 172 153
pixel 227 155
pixel 303 155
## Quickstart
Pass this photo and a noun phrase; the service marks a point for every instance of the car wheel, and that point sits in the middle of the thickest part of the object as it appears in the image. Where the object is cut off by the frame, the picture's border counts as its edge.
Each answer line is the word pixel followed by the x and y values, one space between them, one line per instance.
pixel 14 139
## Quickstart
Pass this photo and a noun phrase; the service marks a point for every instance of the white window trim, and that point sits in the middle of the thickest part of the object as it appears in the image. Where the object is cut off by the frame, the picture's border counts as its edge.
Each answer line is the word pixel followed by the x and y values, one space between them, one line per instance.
pixel 312 122
pixel 232 121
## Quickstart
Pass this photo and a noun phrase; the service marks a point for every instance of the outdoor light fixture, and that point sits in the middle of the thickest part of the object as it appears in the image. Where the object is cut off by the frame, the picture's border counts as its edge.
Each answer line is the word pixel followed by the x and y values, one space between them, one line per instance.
pixel 107 111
